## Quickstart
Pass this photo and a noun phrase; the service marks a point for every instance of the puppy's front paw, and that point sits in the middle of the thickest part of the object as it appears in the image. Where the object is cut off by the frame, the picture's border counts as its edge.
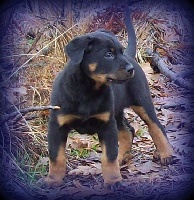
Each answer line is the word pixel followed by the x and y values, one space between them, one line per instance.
pixel 49 182
pixel 115 186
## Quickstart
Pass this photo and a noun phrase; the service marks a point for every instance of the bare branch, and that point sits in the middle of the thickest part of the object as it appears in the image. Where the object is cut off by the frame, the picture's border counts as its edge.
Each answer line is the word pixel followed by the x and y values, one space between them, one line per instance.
pixel 162 66
pixel 26 110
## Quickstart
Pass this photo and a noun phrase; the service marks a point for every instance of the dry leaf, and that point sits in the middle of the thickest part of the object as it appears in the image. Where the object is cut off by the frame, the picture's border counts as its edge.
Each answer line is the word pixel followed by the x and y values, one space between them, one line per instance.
pixel 94 169
pixel 148 167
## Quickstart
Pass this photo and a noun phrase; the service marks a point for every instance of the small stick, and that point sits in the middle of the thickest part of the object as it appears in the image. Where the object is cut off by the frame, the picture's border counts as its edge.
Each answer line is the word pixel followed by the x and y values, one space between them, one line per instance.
pixel 26 110
pixel 38 108
pixel 169 106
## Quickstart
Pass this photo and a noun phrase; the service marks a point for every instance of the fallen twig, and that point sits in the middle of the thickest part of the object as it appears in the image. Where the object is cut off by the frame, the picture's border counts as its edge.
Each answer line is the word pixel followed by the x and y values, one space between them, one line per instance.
pixel 26 110
pixel 181 105
pixel 38 108
pixel 162 66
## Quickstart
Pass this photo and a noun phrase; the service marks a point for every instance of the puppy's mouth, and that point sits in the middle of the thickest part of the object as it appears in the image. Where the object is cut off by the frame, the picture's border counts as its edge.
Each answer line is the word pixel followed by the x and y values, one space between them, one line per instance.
pixel 120 76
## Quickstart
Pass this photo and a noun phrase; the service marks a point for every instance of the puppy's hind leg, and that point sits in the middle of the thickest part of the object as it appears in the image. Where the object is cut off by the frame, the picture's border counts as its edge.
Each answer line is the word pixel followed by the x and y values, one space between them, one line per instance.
pixel 125 137
pixel 164 151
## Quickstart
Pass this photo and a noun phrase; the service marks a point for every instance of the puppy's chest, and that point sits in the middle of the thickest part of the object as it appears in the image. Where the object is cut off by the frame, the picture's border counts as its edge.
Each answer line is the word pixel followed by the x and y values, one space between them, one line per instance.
pixel 82 123
pixel 89 106
pixel 85 116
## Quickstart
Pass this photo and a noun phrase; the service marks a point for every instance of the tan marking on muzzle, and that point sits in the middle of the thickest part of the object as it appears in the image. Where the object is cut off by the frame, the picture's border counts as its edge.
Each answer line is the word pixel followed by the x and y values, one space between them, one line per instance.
pixel 100 80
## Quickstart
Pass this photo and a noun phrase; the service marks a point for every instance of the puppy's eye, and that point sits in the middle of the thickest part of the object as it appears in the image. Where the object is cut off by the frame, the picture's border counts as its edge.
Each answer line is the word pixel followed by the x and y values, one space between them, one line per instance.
pixel 109 55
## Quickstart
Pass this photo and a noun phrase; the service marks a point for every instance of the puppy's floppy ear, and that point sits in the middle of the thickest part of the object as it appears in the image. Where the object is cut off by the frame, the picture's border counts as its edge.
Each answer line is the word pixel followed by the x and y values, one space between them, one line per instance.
pixel 76 47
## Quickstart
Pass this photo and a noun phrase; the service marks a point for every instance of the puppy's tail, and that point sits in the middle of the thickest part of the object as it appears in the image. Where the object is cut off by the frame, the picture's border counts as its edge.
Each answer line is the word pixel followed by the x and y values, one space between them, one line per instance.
pixel 131 47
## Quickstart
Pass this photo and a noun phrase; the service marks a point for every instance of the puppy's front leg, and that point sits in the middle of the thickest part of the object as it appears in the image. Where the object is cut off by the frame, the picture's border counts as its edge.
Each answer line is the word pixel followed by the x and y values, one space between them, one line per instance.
pixel 108 137
pixel 57 137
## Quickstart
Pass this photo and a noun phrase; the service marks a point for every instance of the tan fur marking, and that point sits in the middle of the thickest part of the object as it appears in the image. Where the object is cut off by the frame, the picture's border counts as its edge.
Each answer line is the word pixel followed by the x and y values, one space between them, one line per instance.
pixel 160 141
pixel 92 66
pixel 66 119
pixel 100 79
pixel 125 143
pixel 57 169
pixel 102 116
pixel 110 170
pixel 112 50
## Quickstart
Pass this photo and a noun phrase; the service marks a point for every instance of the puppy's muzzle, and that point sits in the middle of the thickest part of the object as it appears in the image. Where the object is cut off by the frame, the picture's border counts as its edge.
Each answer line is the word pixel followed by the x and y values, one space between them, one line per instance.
pixel 122 75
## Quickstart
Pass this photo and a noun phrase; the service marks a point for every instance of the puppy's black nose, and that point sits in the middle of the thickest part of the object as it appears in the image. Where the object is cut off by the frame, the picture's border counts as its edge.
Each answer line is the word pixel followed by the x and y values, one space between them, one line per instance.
pixel 129 68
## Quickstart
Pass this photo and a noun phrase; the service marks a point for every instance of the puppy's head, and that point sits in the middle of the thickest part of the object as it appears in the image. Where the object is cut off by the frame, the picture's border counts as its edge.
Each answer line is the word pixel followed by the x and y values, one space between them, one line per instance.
pixel 100 56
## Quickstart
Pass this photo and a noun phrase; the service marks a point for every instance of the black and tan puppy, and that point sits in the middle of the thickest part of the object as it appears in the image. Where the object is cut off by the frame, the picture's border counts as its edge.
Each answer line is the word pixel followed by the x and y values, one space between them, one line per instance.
pixel 98 82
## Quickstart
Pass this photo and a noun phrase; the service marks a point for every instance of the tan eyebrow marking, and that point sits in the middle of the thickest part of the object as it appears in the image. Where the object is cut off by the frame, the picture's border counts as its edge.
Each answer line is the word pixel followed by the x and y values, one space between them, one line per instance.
pixel 92 66
pixel 112 50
